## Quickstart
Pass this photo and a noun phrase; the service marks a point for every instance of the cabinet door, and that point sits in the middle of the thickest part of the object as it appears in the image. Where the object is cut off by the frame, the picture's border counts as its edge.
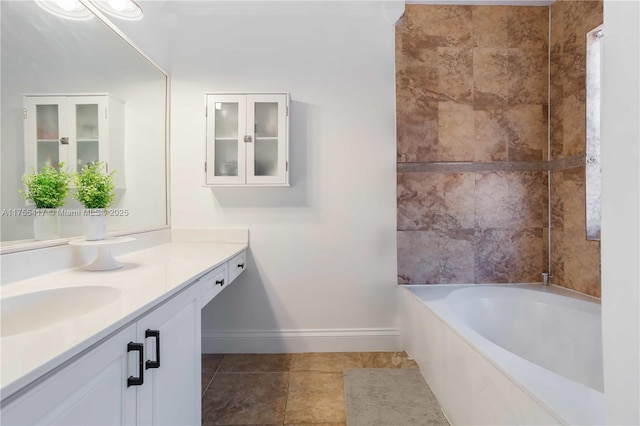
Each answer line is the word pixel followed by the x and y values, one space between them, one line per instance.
pixel 226 131
pixel 171 391
pixel 267 154
pixel 90 391
pixel 45 126
pixel 88 131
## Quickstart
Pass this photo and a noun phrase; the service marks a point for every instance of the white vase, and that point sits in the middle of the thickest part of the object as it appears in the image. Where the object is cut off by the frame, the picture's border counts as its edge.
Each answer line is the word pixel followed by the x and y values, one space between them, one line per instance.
pixel 95 224
pixel 46 224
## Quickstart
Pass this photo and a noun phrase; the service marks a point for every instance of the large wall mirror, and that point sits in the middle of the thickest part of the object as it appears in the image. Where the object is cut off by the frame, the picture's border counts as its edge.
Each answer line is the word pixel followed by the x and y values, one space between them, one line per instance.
pixel 75 90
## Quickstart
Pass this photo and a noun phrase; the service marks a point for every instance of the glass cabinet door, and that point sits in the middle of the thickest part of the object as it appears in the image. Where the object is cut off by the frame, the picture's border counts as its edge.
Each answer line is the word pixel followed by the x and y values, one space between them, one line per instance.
pixel 265 159
pixel 226 123
pixel 48 135
pixel 87 135
pixel 89 131
pixel 266 162
pixel 44 129
pixel 226 139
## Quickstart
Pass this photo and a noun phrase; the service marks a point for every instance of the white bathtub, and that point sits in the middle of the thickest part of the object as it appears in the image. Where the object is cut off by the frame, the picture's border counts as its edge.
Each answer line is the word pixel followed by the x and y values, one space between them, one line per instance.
pixel 507 354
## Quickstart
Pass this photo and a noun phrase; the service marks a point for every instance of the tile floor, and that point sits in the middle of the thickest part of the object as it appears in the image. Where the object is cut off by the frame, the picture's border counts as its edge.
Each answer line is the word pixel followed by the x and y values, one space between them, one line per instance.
pixel 283 389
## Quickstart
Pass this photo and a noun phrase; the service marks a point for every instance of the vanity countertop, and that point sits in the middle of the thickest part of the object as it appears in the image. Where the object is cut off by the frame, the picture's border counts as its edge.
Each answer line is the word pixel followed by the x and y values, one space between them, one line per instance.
pixel 148 277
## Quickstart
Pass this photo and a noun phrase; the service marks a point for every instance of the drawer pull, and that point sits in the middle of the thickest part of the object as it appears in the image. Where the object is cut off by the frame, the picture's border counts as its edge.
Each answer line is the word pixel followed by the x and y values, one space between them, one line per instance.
pixel 240 265
pixel 156 334
pixel 139 347
pixel 220 282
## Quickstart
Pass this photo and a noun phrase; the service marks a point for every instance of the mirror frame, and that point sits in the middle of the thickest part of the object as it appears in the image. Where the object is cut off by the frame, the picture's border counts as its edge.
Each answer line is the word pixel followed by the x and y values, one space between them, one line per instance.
pixel 35 245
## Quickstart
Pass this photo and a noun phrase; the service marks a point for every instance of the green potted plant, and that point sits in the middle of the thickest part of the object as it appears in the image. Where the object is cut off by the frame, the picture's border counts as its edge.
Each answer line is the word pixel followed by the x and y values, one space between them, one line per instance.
pixel 95 191
pixel 47 189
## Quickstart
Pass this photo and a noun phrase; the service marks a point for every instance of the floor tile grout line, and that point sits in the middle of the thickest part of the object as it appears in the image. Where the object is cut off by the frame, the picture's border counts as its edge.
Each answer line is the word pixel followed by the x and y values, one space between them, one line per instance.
pixel 214 375
pixel 219 365
pixel 206 388
pixel 286 401
pixel 286 398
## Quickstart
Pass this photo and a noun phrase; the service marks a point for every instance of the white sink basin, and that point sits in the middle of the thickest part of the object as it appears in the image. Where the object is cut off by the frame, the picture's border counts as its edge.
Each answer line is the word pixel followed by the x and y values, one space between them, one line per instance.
pixel 32 311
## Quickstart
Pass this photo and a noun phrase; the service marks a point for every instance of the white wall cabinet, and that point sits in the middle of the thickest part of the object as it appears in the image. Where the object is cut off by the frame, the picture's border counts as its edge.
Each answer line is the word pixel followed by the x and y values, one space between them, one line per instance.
pixel 76 130
pixel 247 139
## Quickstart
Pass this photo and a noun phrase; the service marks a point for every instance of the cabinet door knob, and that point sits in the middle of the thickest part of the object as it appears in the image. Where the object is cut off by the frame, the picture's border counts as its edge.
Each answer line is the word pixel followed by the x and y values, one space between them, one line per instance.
pixel 156 334
pixel 220 282
pixel 248 138
pixel 64 141
pixel 240 265
pixel 138 347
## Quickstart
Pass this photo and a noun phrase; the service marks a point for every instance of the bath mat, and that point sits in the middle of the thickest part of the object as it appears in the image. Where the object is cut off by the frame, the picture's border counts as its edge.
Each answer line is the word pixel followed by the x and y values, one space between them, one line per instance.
pixel 390 397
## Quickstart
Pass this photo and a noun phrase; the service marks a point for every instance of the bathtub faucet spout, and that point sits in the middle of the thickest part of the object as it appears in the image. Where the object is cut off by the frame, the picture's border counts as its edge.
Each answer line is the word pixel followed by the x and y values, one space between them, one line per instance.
pixel 546 279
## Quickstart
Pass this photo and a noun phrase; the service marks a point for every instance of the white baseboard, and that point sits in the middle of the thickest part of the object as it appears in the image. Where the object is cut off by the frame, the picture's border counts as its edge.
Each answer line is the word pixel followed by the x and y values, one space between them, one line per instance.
pixel 297 341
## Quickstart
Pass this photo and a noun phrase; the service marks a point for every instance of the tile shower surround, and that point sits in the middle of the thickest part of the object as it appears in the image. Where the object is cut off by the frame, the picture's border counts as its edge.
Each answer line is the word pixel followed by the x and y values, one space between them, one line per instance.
pixel 575 261
pixel 472 93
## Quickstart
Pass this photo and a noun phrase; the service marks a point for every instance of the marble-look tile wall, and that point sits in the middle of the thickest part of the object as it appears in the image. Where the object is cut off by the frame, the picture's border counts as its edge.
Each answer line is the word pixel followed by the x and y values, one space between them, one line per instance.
pixel 472 86
pixel 575 261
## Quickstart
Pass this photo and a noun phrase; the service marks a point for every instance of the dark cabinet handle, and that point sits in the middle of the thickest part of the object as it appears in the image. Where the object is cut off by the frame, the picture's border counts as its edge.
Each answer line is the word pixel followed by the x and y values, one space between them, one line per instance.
pixel 220 282
pixel 240 265
pixel 156 335
pixel 139 347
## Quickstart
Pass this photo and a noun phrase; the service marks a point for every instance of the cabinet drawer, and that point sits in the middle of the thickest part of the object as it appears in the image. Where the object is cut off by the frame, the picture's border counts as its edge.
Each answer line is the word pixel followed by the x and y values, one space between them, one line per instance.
pixel 213 282
pixel 237 265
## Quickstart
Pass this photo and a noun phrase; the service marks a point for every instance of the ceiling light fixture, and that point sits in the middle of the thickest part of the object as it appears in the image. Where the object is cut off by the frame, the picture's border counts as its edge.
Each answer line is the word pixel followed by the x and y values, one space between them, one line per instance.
pixel 67 9
pixel 121 9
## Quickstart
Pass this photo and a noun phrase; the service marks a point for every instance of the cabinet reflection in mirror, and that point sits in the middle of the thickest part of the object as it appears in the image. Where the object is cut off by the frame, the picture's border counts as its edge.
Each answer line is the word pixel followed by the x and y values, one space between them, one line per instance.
pixel 75 130
pixel 593 173
pixel 75 92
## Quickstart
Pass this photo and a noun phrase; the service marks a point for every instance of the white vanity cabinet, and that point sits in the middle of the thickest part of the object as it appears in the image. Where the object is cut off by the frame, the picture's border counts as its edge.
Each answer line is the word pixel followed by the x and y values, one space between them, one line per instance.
pixel 237 265
pixel 247 139
pixel 212 283
pixel 170 394
pixel 76 130
pixel 215 281
pixel 147 374
pixel 90 391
